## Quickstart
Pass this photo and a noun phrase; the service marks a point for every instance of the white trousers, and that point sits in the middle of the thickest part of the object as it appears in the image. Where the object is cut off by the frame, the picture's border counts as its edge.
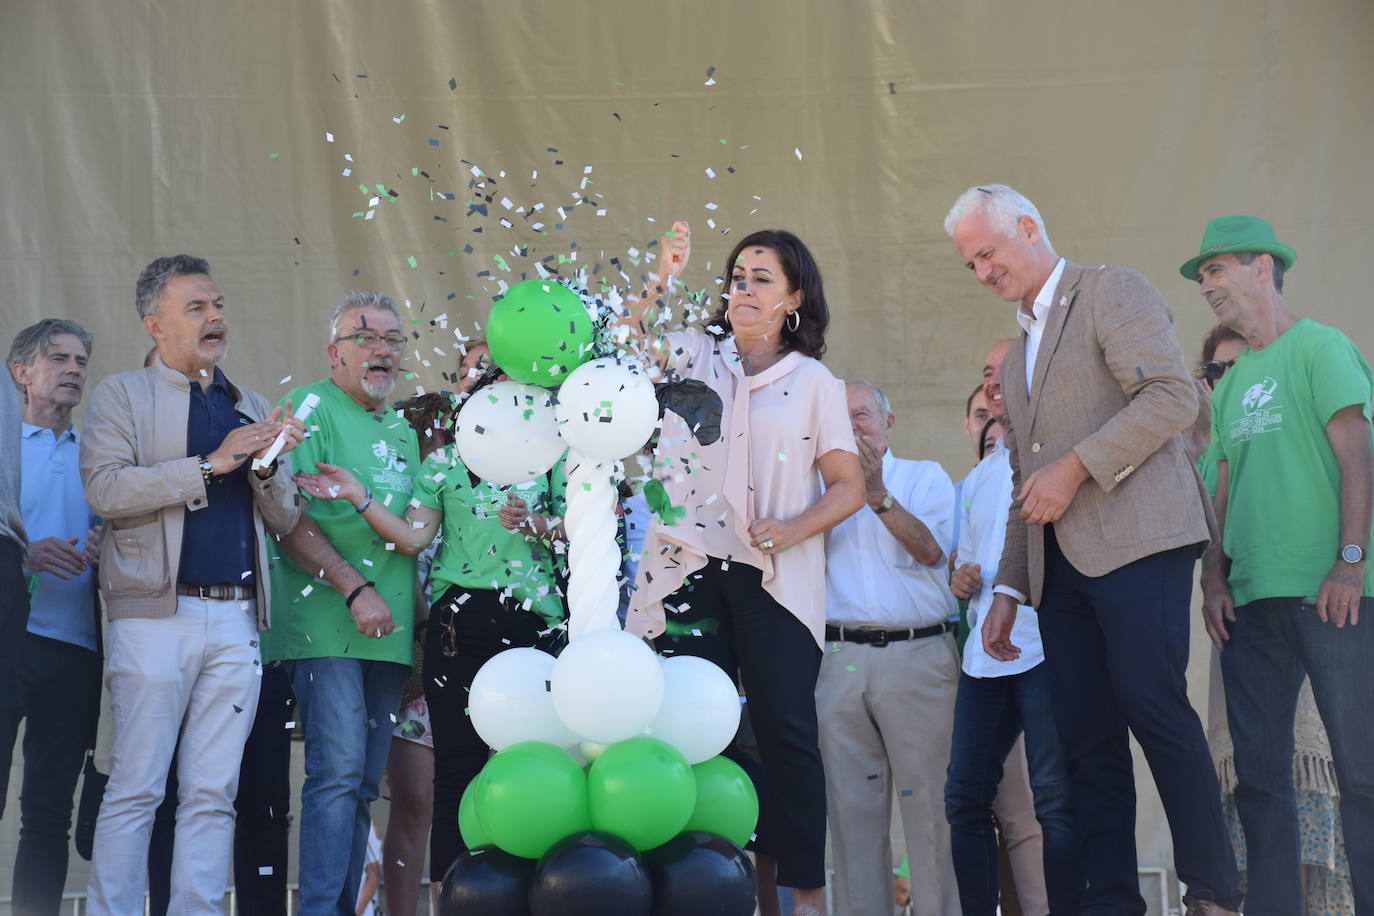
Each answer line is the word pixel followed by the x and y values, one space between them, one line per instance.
pixel 195 675
pixel 886 721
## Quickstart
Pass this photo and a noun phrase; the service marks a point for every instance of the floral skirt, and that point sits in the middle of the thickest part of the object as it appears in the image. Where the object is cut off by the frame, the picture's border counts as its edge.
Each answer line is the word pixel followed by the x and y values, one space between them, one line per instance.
pixel 1322 849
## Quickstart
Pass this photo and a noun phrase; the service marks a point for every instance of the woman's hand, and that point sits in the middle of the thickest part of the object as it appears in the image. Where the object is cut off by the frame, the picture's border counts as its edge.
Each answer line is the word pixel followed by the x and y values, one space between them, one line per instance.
pixel 771 535
pixel 515 514
pixel 332 482
pixel 674 249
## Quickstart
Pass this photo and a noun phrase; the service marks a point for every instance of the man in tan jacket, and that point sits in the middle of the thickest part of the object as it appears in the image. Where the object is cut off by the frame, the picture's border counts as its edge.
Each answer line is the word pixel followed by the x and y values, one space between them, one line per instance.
pixel 1105 526
pixel 183 570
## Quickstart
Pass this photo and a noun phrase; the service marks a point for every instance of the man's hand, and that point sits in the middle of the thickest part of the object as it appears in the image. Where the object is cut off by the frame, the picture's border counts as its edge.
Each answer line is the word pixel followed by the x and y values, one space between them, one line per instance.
pixel 57 557
pixel 90 546
pixel 1047 492
pixel 997 629
pixel 871 461
pixel 472 365
pixel 1218 608
pixel 1338 599
pixel 295 429
pixel 966 580
pixel 242 443
pixel 371 614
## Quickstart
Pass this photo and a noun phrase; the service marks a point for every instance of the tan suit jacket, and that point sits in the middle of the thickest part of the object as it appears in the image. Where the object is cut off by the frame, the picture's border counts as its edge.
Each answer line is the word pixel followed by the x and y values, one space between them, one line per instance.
pixel 139 478
pixel 1111 384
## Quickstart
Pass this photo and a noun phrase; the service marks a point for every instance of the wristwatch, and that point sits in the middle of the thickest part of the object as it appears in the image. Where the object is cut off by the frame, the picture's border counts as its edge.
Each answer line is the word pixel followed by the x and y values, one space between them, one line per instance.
pixel 887 503
pixel 1352 553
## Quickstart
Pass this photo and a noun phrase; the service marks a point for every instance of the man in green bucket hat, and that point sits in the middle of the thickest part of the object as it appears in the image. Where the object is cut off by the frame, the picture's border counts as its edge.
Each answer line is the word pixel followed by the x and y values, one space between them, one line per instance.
pixel 1286 587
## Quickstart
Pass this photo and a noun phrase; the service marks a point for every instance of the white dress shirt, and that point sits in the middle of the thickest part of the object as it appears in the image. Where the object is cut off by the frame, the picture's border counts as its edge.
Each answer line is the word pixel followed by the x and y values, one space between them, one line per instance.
pixel 1034 323
pixel 982 532
pixel 870 579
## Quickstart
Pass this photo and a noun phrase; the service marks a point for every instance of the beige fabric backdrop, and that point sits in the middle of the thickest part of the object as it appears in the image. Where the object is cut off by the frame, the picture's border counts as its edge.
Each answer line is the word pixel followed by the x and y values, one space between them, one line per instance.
pixel 136 128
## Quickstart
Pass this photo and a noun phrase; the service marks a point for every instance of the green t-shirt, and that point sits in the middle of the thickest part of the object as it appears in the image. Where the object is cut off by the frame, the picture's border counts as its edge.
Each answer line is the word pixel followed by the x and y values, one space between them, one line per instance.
pixel 475 550
pixel 1269 415
pixel 309 619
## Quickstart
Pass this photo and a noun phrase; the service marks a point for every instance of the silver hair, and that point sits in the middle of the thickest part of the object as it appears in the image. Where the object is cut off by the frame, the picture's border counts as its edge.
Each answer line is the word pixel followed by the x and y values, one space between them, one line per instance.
pixel 155 277
pixel 34 342
pixel 878 397
pixel 360 299
pixel 1005 205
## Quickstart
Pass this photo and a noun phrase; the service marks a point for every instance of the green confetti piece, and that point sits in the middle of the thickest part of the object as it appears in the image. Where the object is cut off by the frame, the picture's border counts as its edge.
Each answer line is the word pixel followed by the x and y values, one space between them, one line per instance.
pixel 722 139
pixel 500 262
pixel 412 262
pixel 850 668
pixel 414 171
pixel 273 155
pixel 362 188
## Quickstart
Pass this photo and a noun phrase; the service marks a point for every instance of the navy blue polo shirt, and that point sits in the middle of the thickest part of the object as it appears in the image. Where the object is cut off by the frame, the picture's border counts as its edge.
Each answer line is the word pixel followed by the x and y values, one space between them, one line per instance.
pixel 217 542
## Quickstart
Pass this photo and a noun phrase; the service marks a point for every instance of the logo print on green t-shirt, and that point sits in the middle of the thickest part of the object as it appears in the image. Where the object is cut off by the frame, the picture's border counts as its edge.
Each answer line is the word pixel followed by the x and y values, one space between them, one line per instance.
pixel 1262 414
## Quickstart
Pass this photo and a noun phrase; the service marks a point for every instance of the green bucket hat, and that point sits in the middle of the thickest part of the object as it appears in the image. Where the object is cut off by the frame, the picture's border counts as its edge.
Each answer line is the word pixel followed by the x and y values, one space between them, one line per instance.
pixel 1237 233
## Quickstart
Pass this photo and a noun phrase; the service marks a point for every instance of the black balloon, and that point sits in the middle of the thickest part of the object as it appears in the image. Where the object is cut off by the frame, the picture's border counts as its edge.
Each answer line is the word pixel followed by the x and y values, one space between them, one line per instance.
pixel 486 882
pixel 590 874
pixel 701 874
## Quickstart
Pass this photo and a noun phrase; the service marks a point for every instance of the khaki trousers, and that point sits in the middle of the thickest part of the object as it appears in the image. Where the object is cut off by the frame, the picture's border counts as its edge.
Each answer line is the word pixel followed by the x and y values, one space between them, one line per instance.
pixel 886 715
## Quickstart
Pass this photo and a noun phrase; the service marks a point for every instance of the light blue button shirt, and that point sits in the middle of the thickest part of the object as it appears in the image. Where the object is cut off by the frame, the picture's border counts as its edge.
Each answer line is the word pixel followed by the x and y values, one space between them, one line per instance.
pixel 53 505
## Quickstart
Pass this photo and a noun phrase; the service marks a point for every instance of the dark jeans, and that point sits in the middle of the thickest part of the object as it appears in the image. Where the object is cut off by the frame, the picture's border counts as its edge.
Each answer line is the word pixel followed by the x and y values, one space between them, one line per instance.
pixel 989 714
pixel 262 823
pixel 59 694
pixel 743 629
pixel 1274 641
pixel 14 623
pixel 1116 648
pixel 483 626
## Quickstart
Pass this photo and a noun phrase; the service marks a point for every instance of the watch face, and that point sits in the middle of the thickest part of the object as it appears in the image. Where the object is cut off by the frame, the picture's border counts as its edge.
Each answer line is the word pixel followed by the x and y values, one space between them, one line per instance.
pixel 1352 553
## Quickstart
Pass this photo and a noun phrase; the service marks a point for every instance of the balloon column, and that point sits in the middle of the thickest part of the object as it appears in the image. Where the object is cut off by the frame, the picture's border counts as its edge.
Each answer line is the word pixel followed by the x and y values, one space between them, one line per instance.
pixel 606 794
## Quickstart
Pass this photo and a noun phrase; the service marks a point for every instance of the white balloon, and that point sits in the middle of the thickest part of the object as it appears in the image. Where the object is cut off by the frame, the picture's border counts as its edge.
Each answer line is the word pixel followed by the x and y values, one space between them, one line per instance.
pixel 507 433
pixel 590 750
pixel 510 700
pixel 700 711
pixel 607 408
pixel 607 686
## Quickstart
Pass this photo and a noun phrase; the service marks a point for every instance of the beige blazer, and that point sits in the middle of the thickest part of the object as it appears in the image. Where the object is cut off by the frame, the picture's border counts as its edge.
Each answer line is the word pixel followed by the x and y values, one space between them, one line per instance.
pixel 1110 383
pixel 139 478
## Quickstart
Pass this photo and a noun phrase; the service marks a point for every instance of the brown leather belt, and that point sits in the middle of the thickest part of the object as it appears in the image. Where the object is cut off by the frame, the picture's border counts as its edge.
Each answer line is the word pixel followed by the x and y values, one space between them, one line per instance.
pixel 218 592
pixel 870 636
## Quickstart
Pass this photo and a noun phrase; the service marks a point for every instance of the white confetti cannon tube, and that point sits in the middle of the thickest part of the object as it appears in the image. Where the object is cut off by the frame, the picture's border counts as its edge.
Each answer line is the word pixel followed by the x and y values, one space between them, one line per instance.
pixel 593 554
pixel 303 412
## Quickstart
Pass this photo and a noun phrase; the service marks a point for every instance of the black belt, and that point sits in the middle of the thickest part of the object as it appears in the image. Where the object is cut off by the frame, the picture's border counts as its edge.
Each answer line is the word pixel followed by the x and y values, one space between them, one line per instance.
pixel 871 636
pixel 218 592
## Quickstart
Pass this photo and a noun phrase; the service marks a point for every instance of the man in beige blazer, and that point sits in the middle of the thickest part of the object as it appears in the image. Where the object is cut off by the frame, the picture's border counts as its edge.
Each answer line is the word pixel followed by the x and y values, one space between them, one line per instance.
pixel 1106 522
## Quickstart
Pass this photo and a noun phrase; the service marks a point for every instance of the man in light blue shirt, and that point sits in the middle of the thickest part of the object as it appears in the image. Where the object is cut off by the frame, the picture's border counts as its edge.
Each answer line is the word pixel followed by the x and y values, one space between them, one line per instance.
pixel 58 671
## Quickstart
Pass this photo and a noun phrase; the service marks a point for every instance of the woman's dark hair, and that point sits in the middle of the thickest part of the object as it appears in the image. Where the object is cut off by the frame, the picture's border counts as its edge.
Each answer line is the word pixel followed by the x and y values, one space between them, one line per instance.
pixel 431 416
pixel 802 274
pixel 1214 339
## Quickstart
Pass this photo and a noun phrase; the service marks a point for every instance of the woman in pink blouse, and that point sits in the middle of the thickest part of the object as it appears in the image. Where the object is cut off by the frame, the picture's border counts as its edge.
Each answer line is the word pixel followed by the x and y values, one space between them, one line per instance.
pixel 740 579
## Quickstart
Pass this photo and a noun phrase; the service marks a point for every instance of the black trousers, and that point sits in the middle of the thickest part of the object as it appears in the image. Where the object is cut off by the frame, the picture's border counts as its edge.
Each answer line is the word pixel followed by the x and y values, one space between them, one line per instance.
pixel 14 623
pixel 747 633
pixel 459 639
pixel 59 694
pixel 1116 649
pixel 262 808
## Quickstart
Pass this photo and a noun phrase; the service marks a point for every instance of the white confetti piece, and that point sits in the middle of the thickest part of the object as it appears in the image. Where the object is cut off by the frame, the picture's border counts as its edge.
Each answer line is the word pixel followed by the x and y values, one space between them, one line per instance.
pixel 798 152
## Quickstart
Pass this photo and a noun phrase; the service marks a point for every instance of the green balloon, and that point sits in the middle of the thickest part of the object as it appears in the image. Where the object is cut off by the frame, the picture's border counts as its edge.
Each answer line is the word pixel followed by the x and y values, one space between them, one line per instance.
pixel 469 827
pixel 539 332
pixel 530 796
pixel 727 804
pixel 642 791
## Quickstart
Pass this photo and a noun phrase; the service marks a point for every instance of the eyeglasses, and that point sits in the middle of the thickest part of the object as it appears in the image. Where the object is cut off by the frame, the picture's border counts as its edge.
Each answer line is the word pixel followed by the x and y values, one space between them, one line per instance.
pixel 368 340
pixel 1212 371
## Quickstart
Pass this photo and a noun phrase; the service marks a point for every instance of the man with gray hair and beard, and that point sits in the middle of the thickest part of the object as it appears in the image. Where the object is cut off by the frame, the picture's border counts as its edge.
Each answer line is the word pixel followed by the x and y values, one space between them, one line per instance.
pixel 183 568
pixel 340 596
